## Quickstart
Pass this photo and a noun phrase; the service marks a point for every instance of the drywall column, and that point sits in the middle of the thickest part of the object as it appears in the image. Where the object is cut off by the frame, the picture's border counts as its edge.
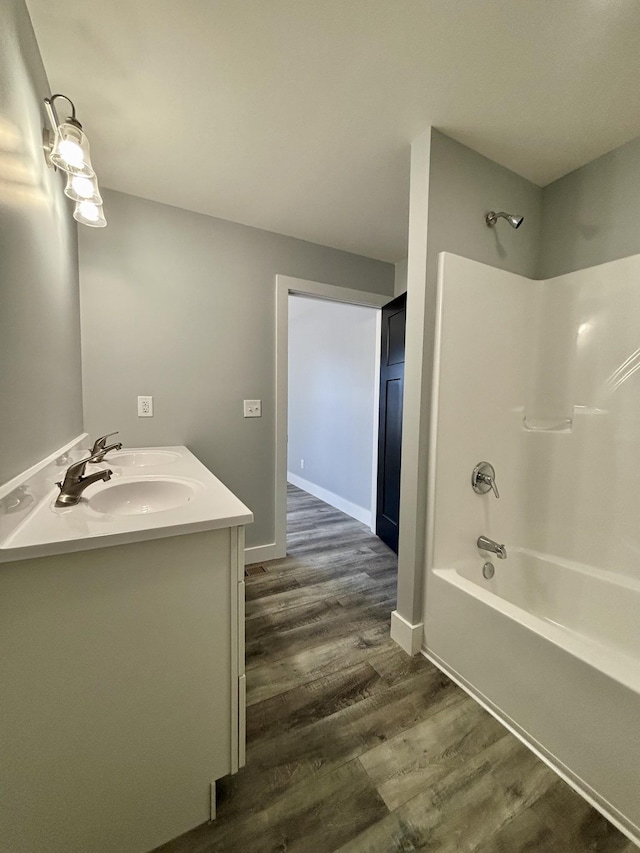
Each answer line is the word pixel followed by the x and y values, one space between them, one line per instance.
pixel 400 277
pixel 452 188
pixel 406 621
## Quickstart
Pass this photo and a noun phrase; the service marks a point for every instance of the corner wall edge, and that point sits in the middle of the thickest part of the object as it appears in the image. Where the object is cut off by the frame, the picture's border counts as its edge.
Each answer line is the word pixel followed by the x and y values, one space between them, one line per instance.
pixel 406 635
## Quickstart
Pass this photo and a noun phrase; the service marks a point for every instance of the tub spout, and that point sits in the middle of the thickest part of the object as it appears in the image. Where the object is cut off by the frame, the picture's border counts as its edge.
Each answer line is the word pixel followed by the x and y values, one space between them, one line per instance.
pixel 486 544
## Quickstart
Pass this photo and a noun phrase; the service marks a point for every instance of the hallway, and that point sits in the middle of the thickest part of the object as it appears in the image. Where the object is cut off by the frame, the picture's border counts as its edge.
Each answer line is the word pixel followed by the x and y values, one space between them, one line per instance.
pixel 354 746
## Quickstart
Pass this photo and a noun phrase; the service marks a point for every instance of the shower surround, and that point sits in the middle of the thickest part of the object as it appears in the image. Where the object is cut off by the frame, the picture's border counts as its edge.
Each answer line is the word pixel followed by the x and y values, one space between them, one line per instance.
pixel 540 379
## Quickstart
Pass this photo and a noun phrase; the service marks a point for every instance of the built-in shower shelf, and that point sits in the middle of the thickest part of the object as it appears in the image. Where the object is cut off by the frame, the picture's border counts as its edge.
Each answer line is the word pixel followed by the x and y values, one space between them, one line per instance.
pixel 547 424
pixel 559 424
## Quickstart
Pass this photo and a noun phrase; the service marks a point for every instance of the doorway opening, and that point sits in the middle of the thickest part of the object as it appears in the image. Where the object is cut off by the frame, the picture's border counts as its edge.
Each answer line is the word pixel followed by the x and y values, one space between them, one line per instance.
pixel 333 403
pixel 286 287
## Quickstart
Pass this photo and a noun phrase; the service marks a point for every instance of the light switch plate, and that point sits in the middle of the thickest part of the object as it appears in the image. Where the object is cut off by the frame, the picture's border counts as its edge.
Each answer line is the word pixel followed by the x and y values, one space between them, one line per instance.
pixel 253 408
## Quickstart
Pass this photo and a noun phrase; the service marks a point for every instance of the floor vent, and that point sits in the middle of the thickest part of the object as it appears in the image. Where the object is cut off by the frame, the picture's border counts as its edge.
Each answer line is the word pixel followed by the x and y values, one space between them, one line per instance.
pixel 256 569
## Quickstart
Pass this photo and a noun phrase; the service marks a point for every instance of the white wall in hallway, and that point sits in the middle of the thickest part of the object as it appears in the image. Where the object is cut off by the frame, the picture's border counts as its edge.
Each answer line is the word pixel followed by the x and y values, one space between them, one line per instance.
pixel 333 377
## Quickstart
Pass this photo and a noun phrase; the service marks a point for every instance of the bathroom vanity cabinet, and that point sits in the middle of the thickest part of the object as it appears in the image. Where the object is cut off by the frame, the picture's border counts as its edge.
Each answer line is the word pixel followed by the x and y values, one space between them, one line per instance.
pixel 122 698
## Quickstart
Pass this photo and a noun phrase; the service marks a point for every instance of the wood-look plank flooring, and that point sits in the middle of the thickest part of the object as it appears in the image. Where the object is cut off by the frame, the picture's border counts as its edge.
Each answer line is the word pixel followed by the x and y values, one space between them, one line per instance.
pixel 353 746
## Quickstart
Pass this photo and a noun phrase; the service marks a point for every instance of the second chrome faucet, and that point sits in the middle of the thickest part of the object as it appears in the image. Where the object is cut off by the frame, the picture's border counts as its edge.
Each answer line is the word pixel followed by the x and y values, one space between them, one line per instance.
pixel 100 448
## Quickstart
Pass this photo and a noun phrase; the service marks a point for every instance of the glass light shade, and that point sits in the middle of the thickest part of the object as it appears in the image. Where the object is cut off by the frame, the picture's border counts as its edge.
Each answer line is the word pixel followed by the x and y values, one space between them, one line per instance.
pixel 89 213
pixel 80 188
pixel 71 150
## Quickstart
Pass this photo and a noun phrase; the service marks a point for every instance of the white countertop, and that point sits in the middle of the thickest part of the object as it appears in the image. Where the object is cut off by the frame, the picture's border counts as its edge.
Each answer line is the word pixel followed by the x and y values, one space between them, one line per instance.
pixel 33 527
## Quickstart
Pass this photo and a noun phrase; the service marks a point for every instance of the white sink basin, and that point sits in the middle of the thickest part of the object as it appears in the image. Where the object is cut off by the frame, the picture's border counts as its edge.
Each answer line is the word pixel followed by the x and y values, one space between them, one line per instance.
pixel 141 458
pixel 139 497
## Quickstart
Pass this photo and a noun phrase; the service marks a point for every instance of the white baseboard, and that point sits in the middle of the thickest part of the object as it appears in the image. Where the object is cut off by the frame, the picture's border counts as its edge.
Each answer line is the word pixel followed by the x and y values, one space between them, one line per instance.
pixel 261 553
pixel 406 635
pixel 355 511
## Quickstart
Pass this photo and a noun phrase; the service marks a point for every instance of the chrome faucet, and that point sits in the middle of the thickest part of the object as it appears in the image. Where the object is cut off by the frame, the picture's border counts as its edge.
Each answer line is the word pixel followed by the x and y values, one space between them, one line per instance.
pixel 74 483
pixel 99 456
pixel 99 448
pixel 486 544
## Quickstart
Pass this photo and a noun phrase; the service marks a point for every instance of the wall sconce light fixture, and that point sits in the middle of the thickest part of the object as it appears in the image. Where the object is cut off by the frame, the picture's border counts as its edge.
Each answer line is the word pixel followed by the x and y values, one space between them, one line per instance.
pixel 66 147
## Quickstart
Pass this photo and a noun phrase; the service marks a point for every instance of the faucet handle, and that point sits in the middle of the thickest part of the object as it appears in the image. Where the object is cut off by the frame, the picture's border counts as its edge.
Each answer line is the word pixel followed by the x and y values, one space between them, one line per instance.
pixel 101 442
pixel 78 468
pixel 491 481
pixel 483 478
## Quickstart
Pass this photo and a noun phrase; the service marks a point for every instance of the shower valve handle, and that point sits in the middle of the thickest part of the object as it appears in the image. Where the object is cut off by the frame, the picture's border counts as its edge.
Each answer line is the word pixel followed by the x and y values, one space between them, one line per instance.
pixel 483 478
pixel 490 481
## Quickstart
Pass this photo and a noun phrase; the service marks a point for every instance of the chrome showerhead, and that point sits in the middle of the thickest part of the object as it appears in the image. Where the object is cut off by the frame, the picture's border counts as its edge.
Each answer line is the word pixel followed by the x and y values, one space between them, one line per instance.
pixel 514 221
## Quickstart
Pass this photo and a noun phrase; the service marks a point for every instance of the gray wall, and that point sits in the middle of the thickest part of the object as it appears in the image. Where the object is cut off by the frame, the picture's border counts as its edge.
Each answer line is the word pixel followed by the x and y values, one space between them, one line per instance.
pixel 40 376
pixel 592 215
pixel 463 187
pixel 332 382
pixel 182 306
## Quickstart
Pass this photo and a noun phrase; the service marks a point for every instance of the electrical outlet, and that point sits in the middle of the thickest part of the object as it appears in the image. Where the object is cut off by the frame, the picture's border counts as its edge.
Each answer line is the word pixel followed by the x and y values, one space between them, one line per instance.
pixel 253 408
pixel 302 464
pixel 145 407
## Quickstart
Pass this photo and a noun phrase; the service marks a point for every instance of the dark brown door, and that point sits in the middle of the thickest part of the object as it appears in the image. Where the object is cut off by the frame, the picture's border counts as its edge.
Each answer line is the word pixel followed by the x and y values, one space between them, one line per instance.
pixel 390 430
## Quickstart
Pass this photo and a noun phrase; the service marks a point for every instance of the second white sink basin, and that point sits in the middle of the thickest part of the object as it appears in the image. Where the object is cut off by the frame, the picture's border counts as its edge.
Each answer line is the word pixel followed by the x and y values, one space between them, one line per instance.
pixel 141 458
pixel 141 496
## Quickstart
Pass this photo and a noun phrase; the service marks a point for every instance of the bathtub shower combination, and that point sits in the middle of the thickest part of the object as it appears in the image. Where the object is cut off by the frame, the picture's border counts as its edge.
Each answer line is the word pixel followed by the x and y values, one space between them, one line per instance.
pixel 542 385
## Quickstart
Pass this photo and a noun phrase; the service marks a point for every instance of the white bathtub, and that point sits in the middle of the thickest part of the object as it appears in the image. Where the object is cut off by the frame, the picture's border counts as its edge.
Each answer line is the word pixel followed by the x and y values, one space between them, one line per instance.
pixel 551 647
pixel 553 650
pixel 592 614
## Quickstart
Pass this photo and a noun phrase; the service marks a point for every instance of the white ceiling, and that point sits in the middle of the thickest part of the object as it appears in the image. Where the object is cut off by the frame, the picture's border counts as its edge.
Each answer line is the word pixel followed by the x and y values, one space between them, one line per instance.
pixel 296 115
